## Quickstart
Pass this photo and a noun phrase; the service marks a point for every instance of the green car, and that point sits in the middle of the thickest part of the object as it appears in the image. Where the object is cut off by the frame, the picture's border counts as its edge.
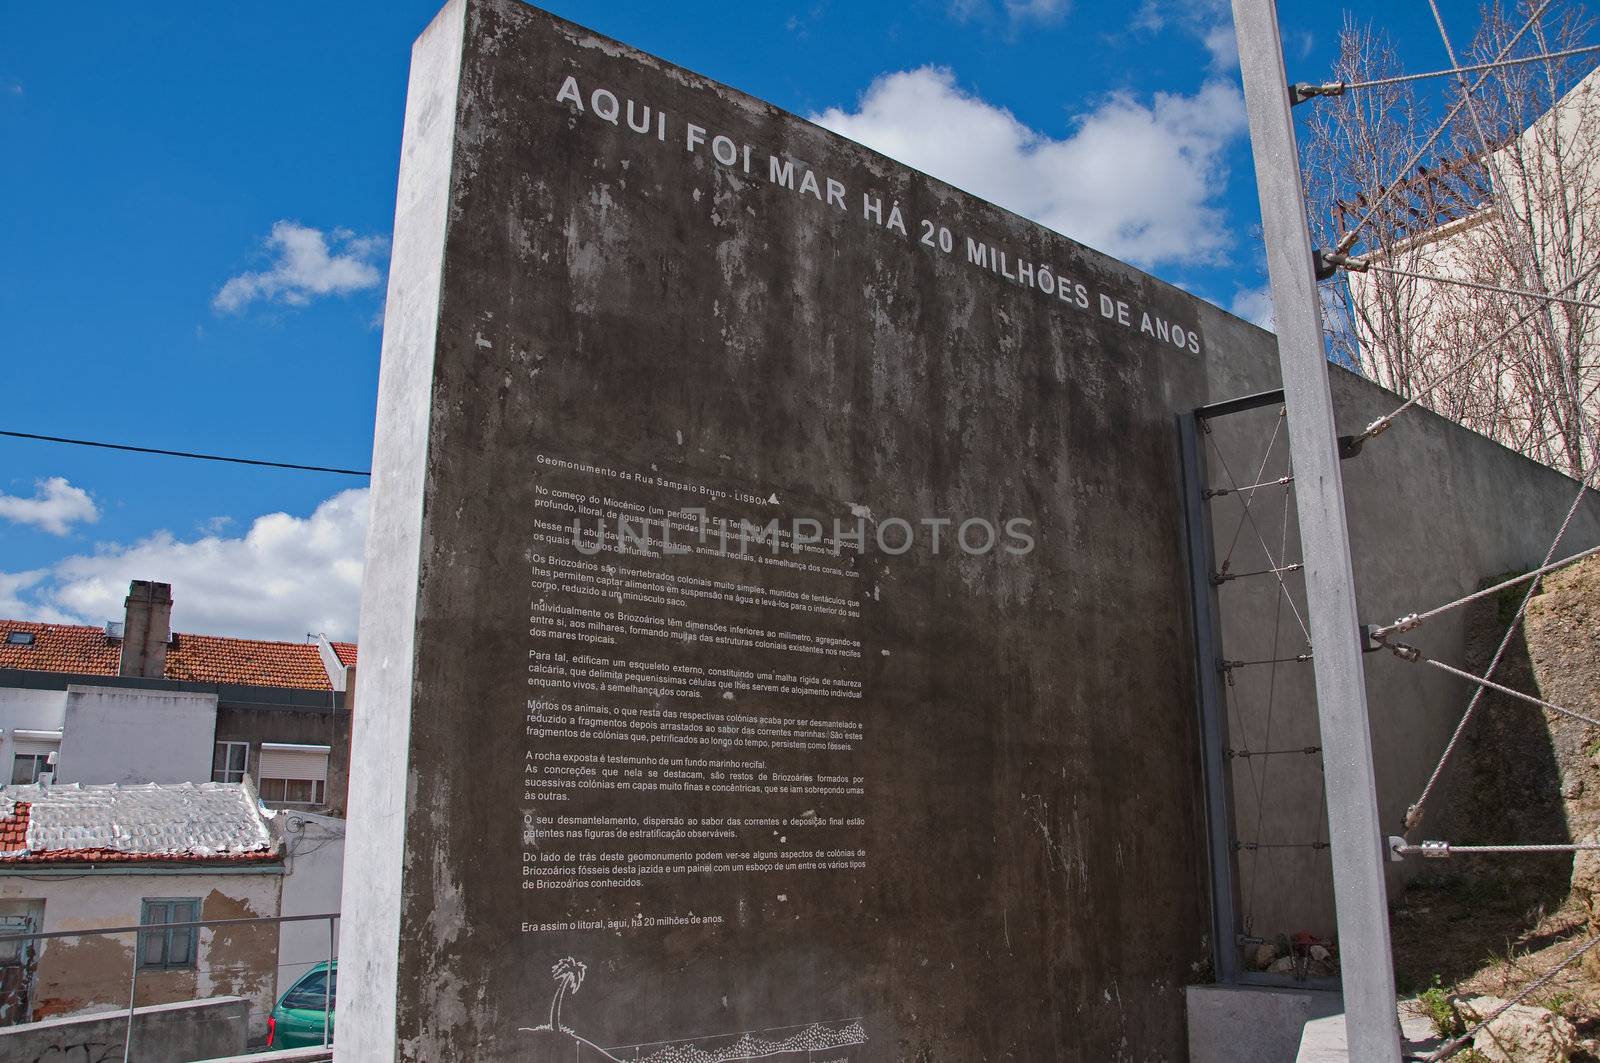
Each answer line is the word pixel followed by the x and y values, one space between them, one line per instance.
pixel 298 1020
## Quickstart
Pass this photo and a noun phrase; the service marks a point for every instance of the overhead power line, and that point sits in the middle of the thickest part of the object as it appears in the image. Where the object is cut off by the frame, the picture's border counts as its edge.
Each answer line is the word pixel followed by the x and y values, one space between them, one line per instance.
pixel 185 454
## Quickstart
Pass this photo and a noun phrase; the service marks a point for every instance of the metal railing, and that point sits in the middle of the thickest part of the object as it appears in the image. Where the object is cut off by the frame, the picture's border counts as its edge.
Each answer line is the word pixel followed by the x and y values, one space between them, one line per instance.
pixel 136 954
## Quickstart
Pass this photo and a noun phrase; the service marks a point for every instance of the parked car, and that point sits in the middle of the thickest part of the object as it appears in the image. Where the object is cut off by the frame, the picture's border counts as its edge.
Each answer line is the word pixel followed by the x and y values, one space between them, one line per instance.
pixel 304 1015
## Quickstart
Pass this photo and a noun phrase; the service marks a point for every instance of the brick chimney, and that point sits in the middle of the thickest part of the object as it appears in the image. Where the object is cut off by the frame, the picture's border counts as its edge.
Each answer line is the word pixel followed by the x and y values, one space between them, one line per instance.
pixel 147 629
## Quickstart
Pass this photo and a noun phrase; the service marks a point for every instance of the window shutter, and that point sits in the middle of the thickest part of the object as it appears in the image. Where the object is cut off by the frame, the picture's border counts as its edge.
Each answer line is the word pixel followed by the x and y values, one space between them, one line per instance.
pixel 294 762
pixel 25 747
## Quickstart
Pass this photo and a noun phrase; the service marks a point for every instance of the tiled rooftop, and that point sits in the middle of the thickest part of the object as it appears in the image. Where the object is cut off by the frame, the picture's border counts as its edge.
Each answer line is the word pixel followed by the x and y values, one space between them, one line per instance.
pixel 60 648
pixel 81 650
pixel 183 823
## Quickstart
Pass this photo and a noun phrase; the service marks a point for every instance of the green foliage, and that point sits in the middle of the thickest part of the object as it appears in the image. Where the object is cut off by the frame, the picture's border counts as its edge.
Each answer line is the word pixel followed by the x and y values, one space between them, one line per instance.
pixel 1441 1010
pixel 1559 1002
pixel 1471 1055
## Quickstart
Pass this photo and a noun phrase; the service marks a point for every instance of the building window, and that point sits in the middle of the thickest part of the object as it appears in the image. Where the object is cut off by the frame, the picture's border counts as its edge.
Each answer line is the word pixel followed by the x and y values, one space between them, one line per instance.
pixel 228 762
pixel 293 774
pixel 31 755
pixel 27 767
pixel 171 949
pixel 292 791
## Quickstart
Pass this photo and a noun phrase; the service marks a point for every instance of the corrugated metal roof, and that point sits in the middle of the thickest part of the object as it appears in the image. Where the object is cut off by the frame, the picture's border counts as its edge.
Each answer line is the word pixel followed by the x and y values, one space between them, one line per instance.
pixel 183 822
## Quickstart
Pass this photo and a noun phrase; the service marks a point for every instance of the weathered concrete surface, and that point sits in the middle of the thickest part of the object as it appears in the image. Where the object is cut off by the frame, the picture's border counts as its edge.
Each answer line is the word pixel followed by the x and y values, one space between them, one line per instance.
pixel 1251 1024
pixel 566 286
pixel 316 863
pixel 1034 886
pixel 1433 510
pixel 162 1033
pixel 90 973
pixel 112 735
pixel 1324 1040
pixel 373 895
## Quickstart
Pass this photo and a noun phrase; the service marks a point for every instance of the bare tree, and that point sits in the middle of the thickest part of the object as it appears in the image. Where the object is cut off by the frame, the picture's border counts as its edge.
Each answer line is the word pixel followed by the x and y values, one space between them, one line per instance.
pixel 1508 197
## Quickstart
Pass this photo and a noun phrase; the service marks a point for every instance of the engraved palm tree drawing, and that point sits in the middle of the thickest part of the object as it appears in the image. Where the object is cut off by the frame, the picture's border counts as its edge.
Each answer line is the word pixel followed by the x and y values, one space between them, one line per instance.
pixel 555 1042
pixel 568 974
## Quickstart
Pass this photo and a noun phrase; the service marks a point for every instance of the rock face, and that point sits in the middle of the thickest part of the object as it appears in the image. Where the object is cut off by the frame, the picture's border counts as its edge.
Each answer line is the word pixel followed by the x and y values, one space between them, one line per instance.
pixel 1562 635
pixel 1523 1034
pixel 1586 879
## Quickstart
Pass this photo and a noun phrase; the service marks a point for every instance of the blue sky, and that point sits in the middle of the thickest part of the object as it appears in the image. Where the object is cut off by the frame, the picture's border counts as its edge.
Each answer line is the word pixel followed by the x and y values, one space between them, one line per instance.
pixel 198 199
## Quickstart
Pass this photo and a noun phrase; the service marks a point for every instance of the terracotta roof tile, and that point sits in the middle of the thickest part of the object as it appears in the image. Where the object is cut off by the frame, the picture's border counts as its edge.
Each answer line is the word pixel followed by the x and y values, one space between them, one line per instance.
pixel 246 662
pixel 81 650
pixel 14 828
pixel 60 648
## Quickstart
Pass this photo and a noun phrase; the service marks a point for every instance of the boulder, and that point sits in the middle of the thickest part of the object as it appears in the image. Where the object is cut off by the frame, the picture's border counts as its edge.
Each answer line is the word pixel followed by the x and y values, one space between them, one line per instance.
pixel 1523 1034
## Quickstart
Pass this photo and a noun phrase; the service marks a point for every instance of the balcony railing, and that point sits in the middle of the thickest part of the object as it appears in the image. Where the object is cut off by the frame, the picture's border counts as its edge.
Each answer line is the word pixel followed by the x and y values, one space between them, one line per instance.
pixel 215 960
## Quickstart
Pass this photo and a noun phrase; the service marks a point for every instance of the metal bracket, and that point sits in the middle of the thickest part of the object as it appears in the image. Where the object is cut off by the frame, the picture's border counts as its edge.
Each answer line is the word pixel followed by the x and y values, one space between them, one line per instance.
pixel 1326 263
pixel 1301 91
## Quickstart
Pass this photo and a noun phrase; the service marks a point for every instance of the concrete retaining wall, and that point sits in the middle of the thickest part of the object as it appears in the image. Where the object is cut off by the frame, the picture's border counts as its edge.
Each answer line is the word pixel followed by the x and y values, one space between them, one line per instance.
pixel 164 1033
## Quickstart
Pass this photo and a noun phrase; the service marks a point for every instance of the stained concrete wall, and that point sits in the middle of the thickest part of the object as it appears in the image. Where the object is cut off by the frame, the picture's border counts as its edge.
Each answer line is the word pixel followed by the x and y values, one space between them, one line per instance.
pixel 315 861
pixel 33 710
pixel 326 727
pixel 78 975
pixel 1433 511
pixel 1035 884
pixel 633 299
pixel 121 735
pixel 162 1033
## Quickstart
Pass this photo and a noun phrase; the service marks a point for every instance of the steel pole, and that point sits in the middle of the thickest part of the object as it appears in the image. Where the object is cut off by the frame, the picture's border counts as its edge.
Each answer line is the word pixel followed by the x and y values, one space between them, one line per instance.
pixel 1355 835
pixel 133 1002
pixel 1213 706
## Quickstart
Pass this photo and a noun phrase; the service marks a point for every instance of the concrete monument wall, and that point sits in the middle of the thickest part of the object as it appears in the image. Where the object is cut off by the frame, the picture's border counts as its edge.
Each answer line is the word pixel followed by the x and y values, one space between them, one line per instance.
pixel 775 636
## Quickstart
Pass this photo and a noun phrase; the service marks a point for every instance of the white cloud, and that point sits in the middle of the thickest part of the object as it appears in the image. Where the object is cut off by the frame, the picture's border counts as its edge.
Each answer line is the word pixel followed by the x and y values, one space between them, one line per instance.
pixel 1016 11
pixel 286 576
pixel 1136 180
pixel 55 506
pixel 1036 10
pixel 307 263
pixel 12 584
pixel 1208 21
pixel 1254 305
pixel 1223 44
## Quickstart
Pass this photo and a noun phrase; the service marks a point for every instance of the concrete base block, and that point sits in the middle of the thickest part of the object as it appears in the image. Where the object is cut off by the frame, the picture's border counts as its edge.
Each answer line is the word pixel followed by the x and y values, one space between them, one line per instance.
pixel 1324 1039
pixel 1252 1024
